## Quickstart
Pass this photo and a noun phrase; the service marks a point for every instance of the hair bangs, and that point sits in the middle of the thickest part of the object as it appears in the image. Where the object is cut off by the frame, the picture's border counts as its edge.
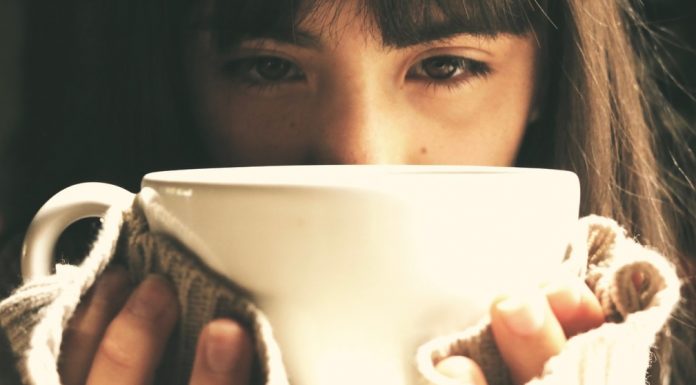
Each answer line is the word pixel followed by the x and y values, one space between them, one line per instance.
pixel 400 22
pixel 404 22
pixel 232 21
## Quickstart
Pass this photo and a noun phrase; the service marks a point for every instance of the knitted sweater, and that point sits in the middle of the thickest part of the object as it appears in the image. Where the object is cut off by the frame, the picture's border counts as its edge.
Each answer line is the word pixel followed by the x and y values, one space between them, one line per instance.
pixel 618 352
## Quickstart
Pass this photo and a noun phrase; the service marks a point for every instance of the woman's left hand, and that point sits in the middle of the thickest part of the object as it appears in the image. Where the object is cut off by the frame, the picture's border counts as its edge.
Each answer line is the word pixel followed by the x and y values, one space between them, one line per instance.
pixel 531 328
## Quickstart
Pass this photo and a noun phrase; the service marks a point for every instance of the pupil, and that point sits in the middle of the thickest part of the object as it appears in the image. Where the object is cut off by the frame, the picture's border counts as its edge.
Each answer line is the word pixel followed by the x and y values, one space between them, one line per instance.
pixel 272 68
pixel 441 67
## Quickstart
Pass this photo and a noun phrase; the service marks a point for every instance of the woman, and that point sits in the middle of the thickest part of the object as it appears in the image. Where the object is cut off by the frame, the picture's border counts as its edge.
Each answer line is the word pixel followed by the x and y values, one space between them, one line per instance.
pixel 546 84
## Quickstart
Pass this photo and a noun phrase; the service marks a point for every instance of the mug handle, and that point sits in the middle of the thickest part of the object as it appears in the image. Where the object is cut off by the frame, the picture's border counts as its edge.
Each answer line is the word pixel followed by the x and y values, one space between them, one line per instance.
pixel 84 200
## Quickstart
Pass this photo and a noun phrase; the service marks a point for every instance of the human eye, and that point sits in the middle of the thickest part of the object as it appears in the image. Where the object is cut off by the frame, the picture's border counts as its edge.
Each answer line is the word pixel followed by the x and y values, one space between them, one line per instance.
pixel 263 71
pixel 448 70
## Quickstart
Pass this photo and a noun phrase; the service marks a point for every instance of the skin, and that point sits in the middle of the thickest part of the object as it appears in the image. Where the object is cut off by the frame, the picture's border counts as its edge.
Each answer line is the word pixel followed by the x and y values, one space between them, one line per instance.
pixel 327 104
pixel 334 106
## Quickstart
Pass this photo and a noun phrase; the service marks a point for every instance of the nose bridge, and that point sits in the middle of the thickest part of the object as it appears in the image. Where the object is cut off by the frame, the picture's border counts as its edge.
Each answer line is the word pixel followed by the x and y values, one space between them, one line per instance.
pixel 355 126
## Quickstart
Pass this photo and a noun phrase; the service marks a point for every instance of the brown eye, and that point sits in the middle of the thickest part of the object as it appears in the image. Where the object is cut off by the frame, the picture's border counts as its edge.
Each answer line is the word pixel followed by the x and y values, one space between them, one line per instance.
pixel 272 68
pixel 263 70
pixel 441 67
pixel 448 70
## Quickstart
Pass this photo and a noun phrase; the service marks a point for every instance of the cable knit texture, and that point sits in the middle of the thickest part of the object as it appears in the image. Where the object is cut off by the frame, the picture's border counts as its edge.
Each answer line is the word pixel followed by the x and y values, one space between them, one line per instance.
pixel 618 352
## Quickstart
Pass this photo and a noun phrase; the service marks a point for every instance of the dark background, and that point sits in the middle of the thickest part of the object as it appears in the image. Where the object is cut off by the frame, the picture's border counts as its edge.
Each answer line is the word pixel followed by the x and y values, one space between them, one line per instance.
pixel 38 49
pixel 678 19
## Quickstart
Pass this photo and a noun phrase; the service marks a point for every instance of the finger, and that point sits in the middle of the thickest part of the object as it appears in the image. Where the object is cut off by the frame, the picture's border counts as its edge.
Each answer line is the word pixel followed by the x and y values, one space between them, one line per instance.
pixel 135 339
pixel 462 369
pixel 223 356
pixel 575 306
pixel 527 333
pixel 86 328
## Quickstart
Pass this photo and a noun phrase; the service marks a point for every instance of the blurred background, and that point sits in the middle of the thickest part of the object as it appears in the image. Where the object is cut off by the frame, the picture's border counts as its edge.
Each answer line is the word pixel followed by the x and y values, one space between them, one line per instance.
pixel 38 50
pixel 678 19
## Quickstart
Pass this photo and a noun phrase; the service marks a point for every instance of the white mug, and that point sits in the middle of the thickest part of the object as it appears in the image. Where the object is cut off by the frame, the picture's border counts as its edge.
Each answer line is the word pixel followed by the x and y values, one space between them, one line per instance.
pixel 354 266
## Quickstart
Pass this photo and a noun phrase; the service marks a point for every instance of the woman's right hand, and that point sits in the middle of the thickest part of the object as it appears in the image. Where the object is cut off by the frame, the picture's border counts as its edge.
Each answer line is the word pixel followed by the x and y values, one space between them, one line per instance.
pixel 118 335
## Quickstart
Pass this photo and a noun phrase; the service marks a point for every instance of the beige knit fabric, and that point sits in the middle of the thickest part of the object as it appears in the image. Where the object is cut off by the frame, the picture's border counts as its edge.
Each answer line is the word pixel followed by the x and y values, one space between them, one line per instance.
pixel 203 296
pixel 37 313
pixel 616 353
pixel 35 316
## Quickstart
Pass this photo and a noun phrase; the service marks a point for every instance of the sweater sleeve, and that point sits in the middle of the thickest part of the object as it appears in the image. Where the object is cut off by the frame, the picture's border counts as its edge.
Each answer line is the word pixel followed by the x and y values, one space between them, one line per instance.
pixel 36 314
pixel 618 352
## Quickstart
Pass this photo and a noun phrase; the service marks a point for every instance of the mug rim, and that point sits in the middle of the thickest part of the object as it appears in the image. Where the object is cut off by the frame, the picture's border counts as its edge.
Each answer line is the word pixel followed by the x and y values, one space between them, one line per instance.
pixel 323 175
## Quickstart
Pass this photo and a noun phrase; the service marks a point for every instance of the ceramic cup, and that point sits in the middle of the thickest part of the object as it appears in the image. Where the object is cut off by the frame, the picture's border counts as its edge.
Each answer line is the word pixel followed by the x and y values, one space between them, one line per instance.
pixel 355 266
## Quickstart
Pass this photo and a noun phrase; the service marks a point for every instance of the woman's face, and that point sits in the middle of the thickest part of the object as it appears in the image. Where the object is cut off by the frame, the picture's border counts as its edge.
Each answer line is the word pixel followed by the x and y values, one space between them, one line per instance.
pixel 335 94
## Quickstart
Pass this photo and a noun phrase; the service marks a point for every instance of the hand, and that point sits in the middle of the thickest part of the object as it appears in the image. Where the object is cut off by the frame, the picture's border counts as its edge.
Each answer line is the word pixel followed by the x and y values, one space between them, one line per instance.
pixel 118 335
pixel 529 329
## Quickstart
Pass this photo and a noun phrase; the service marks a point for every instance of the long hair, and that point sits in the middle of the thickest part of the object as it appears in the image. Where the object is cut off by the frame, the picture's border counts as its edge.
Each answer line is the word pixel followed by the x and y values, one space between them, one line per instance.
pixel 123 108
pixel 616 131
pixel 603 115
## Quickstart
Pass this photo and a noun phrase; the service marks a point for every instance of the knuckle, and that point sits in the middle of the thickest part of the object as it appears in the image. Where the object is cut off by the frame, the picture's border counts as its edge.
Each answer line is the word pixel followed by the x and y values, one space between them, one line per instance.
pixel 113 350
pixel 154 301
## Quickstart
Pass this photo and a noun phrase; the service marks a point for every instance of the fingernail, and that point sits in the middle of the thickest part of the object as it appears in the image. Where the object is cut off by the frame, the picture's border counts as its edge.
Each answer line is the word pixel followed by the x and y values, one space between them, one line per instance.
pixel 152 297
pixel 565 296
pixel 523 314
pixel 222 346
pixel 460 370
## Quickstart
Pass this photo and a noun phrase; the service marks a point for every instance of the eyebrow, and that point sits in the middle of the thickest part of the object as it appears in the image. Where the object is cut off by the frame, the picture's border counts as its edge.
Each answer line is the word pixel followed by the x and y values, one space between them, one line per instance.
pixel 296 37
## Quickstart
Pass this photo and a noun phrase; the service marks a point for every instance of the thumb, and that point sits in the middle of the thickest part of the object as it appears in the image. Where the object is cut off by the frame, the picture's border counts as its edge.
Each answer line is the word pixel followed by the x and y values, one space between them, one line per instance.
pixel 462 370
pixel 527 333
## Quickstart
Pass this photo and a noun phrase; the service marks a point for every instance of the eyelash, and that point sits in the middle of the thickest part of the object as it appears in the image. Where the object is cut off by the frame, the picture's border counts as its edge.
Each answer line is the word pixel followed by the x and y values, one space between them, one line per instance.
pixel 468 70
pixel 240 70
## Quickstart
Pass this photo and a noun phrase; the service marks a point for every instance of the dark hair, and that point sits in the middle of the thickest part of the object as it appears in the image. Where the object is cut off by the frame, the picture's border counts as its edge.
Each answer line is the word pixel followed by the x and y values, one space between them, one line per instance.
pixel 603 115
pixel 124 108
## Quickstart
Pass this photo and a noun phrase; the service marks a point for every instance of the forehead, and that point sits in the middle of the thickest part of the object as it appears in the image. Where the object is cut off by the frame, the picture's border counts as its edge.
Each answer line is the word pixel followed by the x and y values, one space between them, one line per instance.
pixel 396 23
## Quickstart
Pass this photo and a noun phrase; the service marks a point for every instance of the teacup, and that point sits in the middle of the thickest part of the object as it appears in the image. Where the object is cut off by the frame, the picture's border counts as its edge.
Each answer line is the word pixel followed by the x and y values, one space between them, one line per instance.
pixel 354 266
